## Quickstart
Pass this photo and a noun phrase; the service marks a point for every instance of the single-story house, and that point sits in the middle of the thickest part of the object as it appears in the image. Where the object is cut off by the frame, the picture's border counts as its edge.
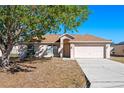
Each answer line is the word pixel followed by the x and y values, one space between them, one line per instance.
pixel 118 50
pixel 73 46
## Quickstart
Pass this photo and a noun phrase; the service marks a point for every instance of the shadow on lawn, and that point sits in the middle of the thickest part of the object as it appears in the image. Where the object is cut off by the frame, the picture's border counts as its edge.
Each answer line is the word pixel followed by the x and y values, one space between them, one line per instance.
pixel 30 60
pixel 21 66
pixel 16 67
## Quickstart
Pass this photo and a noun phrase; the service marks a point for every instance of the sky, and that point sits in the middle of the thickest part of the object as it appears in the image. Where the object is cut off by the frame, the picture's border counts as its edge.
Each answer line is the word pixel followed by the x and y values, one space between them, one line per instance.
pixel 105 21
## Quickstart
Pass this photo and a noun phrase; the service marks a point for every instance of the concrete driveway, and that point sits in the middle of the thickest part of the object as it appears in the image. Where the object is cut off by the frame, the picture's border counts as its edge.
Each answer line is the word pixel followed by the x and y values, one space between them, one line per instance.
pixel 103 73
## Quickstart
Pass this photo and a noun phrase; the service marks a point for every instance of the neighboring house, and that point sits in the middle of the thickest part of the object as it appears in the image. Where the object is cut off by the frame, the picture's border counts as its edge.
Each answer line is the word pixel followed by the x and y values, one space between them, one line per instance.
pixel 73 46
pixel 118 50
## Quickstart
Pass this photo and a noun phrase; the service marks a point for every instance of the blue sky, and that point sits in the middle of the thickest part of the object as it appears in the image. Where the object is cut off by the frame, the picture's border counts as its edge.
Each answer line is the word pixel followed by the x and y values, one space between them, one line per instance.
pixel 106 22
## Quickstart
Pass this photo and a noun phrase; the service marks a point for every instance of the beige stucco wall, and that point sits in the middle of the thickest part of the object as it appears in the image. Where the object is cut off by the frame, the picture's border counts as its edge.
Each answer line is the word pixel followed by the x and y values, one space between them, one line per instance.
pixel 15 51
pixel 118 49
pixel 72 46
pixel 107 49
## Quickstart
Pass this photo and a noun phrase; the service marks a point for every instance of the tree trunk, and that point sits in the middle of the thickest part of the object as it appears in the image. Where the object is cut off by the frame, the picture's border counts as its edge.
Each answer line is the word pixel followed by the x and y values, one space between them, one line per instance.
pixel 5 59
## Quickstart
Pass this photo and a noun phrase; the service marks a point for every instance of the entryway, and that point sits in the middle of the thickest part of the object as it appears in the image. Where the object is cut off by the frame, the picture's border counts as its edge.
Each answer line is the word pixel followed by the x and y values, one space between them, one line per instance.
pixel 66 48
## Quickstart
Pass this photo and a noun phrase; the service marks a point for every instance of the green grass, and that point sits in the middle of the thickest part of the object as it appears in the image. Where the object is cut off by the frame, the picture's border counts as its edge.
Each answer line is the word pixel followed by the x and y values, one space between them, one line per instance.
pixel 118 59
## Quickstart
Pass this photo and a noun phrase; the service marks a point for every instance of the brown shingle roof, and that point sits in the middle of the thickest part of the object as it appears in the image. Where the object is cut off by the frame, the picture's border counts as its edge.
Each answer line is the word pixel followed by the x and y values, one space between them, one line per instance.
pixel 51 38
pixel 87 37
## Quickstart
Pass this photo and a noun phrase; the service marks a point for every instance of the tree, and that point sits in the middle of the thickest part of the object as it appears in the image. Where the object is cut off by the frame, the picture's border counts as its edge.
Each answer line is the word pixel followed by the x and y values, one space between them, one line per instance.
pixel 21 23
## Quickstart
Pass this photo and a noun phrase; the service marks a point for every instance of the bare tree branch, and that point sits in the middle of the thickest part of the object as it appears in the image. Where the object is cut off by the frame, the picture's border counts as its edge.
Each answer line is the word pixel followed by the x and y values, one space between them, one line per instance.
pixel 18 32
pixel 2 50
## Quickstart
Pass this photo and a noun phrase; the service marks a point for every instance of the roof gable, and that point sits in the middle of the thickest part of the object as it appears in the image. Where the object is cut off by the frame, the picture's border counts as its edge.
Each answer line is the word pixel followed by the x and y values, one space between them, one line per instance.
pixel 68 35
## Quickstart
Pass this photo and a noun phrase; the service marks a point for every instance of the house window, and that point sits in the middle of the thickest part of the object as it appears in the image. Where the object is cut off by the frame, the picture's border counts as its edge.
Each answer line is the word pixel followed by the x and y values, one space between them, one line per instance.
pixel 49 49
pixel 30 50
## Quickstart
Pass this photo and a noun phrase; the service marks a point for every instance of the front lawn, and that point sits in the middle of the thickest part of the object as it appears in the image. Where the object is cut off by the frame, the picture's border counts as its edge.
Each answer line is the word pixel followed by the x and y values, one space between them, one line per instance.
pixel 45 73
pixel 118 59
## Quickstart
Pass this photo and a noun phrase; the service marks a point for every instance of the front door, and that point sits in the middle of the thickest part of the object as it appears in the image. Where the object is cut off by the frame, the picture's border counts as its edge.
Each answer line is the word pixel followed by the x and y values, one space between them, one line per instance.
pixel 66 48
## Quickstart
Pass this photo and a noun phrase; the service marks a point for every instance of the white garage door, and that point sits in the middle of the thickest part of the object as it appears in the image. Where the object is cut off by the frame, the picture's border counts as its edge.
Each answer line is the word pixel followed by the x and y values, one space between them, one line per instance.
pixel 89 52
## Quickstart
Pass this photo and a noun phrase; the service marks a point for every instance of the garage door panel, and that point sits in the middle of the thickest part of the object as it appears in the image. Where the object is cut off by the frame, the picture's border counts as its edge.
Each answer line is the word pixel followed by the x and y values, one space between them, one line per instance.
pixel 89 52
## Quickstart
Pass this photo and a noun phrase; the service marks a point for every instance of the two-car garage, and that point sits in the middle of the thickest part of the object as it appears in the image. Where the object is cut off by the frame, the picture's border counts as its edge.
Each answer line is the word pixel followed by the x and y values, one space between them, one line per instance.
pixel 89 51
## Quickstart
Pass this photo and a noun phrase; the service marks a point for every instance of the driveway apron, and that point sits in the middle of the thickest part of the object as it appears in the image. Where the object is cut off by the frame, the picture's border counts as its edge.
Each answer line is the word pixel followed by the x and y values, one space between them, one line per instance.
pixel 103 73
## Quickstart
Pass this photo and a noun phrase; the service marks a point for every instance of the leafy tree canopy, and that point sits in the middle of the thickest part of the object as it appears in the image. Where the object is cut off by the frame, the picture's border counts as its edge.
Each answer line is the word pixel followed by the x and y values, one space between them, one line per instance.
pixel 21 23
pixel 28 21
